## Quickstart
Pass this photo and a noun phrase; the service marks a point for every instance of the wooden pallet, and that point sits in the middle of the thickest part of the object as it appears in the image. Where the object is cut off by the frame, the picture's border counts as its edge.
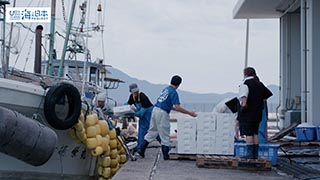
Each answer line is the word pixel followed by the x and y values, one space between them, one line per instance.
pixel 230 162
pixel 173 155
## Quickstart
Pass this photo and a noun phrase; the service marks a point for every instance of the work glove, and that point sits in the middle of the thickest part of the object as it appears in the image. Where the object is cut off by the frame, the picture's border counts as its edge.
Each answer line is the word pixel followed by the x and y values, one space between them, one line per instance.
pixel 140 113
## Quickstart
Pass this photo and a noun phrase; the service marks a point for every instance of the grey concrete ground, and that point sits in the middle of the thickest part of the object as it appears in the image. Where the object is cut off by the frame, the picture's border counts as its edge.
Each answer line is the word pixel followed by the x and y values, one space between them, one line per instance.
pixel 150 168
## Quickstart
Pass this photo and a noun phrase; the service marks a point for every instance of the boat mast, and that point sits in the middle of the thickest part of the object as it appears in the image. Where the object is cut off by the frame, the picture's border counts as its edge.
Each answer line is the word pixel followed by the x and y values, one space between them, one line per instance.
pixel 2 39
pixel 63 56
pixel 52 34
pixel 85 66
pixel 10 38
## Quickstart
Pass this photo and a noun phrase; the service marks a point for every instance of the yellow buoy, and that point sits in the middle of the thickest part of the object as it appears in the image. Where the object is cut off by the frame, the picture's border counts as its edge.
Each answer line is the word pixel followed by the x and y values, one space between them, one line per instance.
pixel 119 146
pixel 114 170
pixel 122 151
pixel 82 136
pixel 92 119
pixel 98 129
pixel 123 158
pixel 106 162
pixel 113 143
pixel 92 143
pixel 99 139
pixel 106 172
pixel 79 126
pixel 114 153
pixel 112 134
pixel 103 127
pixel 114 163
pixel 105 143
pixel 107 152
pixel 91 131
pixel 97 151
pixel 100 170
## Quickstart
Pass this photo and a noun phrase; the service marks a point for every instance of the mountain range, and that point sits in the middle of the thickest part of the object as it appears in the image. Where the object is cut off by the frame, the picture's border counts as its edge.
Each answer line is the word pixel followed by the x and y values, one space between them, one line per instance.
pixel 187 98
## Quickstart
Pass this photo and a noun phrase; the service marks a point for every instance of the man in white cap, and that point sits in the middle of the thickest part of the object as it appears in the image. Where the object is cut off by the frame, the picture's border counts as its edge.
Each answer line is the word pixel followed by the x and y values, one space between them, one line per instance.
pixel 101 104
pixel 101 98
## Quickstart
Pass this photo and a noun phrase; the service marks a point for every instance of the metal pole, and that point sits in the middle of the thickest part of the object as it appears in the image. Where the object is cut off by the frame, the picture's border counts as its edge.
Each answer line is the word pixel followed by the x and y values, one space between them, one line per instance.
pixel 303 61
pixel 52 35
pixel 37 57
pixel 85 66
pixel 247 45
pixel 63 56
pixel 3 62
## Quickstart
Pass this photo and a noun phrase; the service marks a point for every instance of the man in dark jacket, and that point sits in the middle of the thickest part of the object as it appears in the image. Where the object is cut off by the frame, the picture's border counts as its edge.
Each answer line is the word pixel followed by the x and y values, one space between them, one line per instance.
pixel 252 94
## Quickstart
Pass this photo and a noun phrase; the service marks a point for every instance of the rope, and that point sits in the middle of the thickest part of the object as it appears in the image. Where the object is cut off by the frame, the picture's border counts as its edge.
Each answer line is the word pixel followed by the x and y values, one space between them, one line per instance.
pixel 155 165
pixel 45 50
pixel 27 58
pixel 64 12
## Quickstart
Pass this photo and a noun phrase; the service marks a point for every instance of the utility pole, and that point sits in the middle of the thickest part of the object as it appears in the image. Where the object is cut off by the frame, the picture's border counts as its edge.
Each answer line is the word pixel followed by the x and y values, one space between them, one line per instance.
pixel 247 45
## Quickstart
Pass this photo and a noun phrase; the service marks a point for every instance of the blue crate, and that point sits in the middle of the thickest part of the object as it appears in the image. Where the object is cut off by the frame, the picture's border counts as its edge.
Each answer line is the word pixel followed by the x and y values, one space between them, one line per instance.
pixel 318 133
pixel 240 149
pixel 266 151
pixel 305 133
pixel 270 152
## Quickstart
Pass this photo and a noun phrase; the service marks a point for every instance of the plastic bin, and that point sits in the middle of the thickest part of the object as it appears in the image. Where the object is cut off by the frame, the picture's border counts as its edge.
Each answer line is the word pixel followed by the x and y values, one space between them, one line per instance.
pixel 270 152
pixel 305 133
pixel 318 133
pixel 240 149
pixel 266 151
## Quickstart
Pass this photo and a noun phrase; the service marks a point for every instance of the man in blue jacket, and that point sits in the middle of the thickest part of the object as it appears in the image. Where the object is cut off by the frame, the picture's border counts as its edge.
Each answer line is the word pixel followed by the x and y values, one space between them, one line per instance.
pixel 144 108
pixel 160 119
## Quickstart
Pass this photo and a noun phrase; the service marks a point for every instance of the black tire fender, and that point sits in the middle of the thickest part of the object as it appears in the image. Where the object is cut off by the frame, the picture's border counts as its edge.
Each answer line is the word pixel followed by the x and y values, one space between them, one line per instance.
pixel 59 94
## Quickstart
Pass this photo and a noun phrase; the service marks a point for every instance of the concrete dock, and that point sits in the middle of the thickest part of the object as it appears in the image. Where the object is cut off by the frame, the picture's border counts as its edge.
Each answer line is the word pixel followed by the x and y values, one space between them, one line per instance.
pixel 154 167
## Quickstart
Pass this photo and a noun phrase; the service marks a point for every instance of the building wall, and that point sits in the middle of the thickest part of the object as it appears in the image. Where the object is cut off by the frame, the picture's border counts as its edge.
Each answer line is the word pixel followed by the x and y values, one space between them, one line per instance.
pixel 313 62
pixel 290 71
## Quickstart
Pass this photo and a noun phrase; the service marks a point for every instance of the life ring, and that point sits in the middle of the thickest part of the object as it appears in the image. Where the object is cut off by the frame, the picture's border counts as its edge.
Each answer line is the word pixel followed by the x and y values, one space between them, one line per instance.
pixel 62 106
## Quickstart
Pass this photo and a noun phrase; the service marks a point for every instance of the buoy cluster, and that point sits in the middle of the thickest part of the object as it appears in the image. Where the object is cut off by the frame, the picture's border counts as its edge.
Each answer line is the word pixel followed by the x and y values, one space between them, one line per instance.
pixel 103 143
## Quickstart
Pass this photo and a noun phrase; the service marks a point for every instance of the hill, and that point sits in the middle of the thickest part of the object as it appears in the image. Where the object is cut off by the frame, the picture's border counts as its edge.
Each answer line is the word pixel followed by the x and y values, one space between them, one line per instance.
pixel 195 101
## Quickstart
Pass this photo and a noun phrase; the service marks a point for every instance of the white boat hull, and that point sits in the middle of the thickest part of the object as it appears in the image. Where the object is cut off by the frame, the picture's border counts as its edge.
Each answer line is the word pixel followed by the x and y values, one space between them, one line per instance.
pixel 25 98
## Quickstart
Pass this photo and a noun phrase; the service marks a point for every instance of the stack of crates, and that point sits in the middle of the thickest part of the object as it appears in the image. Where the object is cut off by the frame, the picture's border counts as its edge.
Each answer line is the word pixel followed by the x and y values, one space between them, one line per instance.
pixel 186 136
pixel 206 133
pixel 209 133
pixel 225 133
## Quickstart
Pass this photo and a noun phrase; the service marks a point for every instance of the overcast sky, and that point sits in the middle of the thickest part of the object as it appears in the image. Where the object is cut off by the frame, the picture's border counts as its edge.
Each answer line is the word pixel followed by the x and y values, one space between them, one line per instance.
pixel 197 39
